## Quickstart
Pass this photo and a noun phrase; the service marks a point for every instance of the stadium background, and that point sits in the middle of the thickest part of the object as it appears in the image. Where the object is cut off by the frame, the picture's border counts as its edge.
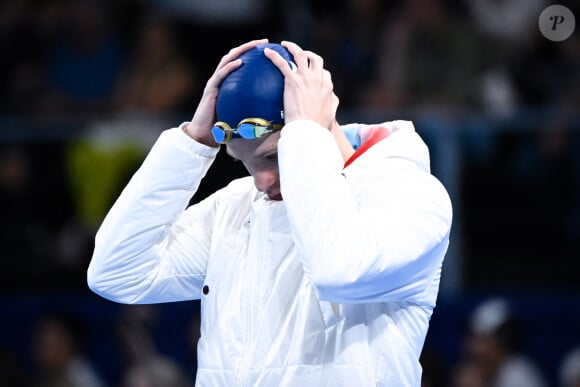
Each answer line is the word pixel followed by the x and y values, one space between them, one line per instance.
pixel 86 86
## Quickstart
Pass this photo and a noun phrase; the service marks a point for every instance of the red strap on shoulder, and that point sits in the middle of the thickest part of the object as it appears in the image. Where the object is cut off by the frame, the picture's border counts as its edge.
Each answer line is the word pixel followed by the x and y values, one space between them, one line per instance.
pixel 378 134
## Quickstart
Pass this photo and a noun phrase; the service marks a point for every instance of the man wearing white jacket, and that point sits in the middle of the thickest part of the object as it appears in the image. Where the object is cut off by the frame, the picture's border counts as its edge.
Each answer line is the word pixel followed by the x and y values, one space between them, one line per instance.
pixel 321 269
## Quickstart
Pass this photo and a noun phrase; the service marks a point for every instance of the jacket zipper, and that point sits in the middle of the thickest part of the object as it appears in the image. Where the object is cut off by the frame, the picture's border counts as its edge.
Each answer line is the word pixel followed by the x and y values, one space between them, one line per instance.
pixel 252 280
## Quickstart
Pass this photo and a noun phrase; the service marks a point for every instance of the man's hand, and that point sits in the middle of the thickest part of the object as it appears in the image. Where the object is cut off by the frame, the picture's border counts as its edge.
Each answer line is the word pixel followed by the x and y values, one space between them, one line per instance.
pixel 200 126
pixel 308 91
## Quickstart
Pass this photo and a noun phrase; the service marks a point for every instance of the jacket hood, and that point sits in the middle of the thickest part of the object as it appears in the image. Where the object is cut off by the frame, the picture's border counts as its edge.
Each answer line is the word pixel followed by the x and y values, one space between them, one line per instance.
pixel 402 141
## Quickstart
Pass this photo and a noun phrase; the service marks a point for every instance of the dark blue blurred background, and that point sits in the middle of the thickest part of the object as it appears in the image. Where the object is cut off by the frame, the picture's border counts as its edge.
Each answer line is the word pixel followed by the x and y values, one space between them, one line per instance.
pixel 87 85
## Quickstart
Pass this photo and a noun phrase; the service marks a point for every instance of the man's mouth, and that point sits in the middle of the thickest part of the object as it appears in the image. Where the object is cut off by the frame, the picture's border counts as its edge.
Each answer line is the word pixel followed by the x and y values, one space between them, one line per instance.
pixel 278 196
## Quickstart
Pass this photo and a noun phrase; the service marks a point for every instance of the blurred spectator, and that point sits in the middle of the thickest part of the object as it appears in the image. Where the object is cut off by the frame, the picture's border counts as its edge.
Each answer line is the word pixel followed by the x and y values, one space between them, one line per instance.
pixel 27 30
pixel 571 72
pixel 428 58
pixel 570 369
pixel 507 28
pixel 60 356
pixel 214 12
pixel 540 72
pixel 98 163
pixel 144 365
pixel 498 94
pixel 545 168
pixel 492 349
pixel 547 74
pixel 506 21
pixel 12 24
pixel 27 241
pixel 15 182
pixel 14 169
pixel 347 34
pixel 84 61
pixel 155 86
pixel 102 159
pixel 468 373
pixel 522 70
pixel 158 77
pixel 212 25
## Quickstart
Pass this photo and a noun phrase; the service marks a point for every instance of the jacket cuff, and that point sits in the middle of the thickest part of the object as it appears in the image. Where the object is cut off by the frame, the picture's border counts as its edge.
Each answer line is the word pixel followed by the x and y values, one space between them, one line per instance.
pixel 194 146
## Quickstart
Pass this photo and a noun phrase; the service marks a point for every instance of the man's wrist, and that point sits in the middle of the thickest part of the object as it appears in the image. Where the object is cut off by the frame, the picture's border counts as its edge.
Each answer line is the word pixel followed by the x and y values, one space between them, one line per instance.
pixel 194 134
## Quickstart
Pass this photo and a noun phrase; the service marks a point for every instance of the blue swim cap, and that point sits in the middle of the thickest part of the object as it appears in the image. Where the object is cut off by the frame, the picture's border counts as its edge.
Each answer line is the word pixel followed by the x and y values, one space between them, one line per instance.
pixel 255 89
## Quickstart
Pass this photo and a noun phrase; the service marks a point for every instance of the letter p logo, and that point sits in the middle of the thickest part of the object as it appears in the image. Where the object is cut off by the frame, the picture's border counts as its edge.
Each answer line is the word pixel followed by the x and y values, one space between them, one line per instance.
pixel 556 23
pixel 556 20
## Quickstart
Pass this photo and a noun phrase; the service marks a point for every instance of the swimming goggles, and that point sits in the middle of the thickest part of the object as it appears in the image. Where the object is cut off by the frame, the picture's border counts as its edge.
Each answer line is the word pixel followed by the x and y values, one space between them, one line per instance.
pixel 248 128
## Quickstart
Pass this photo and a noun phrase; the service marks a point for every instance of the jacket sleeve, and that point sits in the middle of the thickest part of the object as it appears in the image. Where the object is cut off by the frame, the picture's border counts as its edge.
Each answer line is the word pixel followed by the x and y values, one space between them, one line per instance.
pixel 149 248
pixel 384 244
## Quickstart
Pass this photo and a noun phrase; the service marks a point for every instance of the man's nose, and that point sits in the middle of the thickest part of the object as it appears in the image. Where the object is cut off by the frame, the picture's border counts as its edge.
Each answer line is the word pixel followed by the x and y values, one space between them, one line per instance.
pixel 265 179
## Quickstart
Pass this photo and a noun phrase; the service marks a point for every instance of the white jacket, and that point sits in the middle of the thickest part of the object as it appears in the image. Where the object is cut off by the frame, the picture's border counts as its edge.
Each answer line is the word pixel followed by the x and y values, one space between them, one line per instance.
pixel 333 286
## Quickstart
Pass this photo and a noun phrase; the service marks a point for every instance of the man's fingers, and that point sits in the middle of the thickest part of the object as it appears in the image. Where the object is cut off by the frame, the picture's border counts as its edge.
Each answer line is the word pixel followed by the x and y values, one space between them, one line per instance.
pixel 304 60
pixel 223 72
pixel 237 51
pixel 278 61
pixel 230 62
pixel 315 62
pixel 300 57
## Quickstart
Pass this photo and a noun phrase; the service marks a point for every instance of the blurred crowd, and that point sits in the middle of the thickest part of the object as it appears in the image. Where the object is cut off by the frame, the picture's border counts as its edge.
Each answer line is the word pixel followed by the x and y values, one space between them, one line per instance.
pixel 155 345
pixel 493 353
pixel 95 58
pixel 86 86
pixel 62 350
